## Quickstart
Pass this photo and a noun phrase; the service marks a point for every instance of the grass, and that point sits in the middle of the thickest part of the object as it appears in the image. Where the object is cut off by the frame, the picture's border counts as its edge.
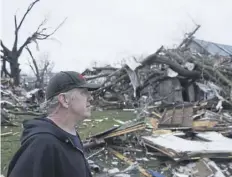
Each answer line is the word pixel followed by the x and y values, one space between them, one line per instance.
pixel 100 121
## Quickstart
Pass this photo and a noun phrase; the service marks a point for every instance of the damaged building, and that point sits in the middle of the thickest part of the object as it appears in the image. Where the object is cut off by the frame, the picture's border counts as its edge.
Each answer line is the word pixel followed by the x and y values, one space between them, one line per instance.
pixel 183 123
pixel 181 99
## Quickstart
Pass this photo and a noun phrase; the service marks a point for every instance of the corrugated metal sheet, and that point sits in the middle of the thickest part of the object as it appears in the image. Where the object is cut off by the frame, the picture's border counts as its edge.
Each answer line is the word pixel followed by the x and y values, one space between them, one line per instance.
pixel 214 48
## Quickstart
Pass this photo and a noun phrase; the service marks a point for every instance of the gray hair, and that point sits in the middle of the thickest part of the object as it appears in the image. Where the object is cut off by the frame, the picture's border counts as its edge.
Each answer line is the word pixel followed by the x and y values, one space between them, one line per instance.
pixel 51 104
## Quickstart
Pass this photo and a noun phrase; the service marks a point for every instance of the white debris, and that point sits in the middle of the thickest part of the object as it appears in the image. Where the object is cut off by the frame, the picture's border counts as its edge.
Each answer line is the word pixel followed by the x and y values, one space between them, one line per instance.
pixel 122 175
pixel 99 120
pixel 113 170
pixel 217 143
pixel 30 93
pixel 119 121
pixel 132 63
pixel 105 169
pixel 7 102
pixel 189 66
pixel 213 86
pixel 203 87
pixel 130 110
pixel 142 159
pixel 203 168
pixel 180 175
pixel 90 161
pixel 171 73
pixel 219 105
pixel 218 172
pixel 126 153
pixel 114 163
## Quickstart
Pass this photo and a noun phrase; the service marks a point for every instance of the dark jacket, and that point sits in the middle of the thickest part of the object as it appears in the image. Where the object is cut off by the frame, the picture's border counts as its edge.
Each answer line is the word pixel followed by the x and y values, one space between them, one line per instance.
pixel 47 151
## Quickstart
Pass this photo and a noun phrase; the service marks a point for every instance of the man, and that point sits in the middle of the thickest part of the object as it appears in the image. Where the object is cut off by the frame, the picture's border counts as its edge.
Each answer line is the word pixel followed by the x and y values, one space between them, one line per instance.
pixel 50 146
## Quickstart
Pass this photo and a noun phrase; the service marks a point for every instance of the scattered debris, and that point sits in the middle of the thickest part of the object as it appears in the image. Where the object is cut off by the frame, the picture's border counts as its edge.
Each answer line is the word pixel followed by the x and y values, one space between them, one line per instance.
pixel 202 168
pixel 6 134
pixel 182 102
pixel 120 156
pixel 17 101
pixel 87 120
pixel 96 153
pixel 114 170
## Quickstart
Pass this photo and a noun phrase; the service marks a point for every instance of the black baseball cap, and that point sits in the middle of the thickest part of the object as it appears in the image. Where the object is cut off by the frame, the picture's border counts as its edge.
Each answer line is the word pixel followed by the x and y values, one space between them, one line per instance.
pixel 65 81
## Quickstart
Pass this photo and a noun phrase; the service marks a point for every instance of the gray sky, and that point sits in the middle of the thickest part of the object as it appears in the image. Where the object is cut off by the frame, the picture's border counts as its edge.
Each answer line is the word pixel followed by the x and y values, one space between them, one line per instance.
pixel 109 30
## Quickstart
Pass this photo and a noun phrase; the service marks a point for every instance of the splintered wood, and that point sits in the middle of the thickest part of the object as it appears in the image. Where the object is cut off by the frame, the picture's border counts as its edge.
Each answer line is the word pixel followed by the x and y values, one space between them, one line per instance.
pixel 178 117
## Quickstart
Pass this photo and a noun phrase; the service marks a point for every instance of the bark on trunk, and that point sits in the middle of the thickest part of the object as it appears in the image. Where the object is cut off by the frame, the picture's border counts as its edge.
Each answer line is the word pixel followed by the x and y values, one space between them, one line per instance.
pixel 15 71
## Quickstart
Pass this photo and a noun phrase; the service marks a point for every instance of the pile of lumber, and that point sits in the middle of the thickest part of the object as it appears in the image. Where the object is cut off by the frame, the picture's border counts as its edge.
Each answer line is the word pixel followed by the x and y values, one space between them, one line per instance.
pixel 187 141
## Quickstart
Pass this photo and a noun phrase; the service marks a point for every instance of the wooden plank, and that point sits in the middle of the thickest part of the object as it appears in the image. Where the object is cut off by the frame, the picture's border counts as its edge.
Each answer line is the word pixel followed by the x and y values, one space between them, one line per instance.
pixel 130 162
pixel 6 134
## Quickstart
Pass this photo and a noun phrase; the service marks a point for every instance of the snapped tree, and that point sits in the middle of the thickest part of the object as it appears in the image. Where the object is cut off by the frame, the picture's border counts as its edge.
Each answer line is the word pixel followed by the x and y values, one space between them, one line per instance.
pixel 12 55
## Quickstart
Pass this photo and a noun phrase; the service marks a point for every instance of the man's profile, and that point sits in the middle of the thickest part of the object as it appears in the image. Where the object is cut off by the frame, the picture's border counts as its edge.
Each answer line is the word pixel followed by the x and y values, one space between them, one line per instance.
pixel 50 146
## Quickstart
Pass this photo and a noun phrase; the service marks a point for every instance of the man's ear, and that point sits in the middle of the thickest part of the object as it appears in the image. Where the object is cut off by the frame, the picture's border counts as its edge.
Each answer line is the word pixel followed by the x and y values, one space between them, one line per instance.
pixel 63 100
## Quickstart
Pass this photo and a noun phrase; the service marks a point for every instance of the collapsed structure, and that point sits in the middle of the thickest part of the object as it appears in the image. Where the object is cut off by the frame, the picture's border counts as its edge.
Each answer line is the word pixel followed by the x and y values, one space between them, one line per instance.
pixel 168 76
pixel 182 98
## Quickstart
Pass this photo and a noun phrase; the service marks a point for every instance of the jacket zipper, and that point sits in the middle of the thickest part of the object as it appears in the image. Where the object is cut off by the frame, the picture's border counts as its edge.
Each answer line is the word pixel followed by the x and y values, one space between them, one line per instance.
pixel 86 162
pixel 76 147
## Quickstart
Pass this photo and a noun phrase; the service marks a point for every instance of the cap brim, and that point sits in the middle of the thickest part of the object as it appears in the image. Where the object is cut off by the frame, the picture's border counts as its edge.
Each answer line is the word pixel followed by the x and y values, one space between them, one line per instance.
pixel 90 87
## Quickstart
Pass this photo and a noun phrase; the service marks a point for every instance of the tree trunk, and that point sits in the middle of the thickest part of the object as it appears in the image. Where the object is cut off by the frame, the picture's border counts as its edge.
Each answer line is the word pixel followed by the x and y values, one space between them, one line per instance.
pixel 15 71
pixel 39 82
pixel 42 82
pixel 3 72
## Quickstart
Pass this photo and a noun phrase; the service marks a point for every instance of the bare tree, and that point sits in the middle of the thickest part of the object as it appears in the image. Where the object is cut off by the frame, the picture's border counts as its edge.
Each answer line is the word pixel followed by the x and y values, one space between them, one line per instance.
pixel 11 56
pixel 40 67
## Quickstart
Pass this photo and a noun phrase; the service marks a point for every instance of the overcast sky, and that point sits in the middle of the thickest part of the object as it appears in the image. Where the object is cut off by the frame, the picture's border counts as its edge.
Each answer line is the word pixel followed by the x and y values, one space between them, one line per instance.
pixel 109 30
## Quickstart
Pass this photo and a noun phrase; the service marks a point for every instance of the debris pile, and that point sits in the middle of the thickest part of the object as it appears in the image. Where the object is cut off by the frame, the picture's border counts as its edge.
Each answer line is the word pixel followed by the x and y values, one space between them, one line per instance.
pixel 17 101
pixel 183 125
pixel 192 142
pixel 167 76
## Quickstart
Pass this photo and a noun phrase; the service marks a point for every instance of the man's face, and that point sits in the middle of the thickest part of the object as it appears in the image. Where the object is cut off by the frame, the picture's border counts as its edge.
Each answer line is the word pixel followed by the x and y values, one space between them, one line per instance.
pixel 79 104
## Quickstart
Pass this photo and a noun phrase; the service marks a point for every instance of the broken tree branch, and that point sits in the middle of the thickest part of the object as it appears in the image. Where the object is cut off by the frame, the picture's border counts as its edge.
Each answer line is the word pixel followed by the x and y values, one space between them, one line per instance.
pixel 35 68
pixel 17 27
pixel 189 36
pixel 218 73
pixel 39 35
pixel 26 13
pixel 174 66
